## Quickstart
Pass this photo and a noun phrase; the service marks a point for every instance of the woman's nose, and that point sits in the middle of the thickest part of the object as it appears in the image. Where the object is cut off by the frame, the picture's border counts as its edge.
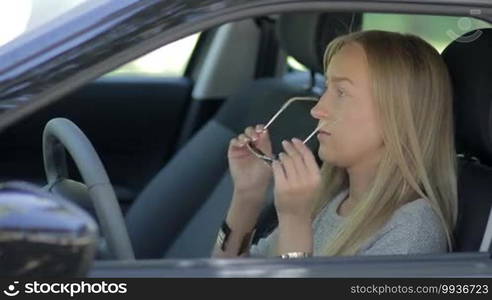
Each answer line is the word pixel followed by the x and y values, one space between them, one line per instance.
pixel 318 112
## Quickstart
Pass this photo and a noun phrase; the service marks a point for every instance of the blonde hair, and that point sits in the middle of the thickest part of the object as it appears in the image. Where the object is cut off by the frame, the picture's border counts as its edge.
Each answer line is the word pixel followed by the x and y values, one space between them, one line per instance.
pixel 413 97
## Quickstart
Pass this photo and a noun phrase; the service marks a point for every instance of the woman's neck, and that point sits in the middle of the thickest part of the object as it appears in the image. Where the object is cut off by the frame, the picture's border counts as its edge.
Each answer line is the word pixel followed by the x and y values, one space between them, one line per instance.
pixel 360 178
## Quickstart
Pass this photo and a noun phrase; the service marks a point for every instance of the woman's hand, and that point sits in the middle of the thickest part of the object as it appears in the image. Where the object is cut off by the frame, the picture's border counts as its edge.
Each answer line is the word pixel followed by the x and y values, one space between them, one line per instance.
pixel 249 173
pixel 251 177
pixel 297 181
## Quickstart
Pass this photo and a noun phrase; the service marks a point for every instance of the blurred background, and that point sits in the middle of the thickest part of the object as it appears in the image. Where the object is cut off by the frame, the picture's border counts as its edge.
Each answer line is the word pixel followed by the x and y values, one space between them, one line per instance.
pixel 18 17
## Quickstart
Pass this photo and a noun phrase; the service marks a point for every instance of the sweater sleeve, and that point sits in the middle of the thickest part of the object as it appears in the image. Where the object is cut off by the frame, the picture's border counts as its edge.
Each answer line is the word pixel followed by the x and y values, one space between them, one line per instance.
pixel 265 246
pixel 416 229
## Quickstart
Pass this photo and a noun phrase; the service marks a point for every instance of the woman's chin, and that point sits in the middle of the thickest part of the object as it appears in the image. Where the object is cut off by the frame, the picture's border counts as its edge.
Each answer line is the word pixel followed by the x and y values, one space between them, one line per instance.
pixel 329 158
pixel 325 157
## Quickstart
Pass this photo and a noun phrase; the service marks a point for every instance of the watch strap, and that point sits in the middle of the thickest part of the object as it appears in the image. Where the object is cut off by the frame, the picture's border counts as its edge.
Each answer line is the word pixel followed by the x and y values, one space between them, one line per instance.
pixel 223 237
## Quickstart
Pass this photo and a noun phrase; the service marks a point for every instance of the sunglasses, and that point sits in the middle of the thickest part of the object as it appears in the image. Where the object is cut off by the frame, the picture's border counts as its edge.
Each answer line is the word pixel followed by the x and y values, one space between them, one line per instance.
pixel 270 159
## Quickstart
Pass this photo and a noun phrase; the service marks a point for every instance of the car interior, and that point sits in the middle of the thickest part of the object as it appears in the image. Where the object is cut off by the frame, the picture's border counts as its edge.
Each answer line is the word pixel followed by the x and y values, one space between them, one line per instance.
pixel 163 141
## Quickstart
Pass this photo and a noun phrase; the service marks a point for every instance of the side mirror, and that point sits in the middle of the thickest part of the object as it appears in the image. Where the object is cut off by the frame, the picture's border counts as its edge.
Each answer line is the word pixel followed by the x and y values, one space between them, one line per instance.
pixel 42 234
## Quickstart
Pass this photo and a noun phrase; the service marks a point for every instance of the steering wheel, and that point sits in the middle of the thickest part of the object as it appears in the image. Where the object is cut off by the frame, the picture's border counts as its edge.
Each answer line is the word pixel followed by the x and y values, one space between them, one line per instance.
pixel 61 135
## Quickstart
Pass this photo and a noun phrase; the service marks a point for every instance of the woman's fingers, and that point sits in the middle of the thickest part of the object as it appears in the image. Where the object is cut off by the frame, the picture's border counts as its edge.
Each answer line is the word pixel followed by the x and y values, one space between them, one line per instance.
pixel 243 139
pixel 234 142
pixel 289 167
pixel 251 133
pixel 296 157
pixel 238 142
pixel 260 128
pixel 308 156
pixel 278 174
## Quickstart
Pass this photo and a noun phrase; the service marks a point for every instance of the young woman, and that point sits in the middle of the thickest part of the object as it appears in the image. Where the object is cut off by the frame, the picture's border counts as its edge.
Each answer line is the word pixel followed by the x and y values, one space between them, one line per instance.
pixel 388 180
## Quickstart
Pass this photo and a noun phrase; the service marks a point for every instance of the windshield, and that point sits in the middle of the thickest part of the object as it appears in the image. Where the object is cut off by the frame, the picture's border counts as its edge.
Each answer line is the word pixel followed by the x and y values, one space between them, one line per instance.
pixel 18 17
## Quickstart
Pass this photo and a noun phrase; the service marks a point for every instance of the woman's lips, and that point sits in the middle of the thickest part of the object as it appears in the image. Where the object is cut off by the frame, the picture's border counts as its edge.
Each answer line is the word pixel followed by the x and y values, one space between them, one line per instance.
pixel 322 134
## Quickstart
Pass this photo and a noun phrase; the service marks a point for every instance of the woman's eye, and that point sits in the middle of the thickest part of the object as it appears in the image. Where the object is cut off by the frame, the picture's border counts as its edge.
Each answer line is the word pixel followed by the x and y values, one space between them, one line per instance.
pixel 341 92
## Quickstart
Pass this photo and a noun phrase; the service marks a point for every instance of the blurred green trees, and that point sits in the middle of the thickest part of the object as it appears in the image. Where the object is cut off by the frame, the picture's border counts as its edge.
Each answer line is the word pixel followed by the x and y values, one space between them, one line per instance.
pixel 437 30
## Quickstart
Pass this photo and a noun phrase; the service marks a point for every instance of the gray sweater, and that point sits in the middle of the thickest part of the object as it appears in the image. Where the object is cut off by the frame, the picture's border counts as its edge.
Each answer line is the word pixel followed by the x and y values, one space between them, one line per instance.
pixel 413 229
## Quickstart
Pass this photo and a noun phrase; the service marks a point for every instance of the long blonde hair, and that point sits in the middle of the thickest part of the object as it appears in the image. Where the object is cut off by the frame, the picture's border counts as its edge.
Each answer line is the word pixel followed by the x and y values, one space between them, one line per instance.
pixel 413 97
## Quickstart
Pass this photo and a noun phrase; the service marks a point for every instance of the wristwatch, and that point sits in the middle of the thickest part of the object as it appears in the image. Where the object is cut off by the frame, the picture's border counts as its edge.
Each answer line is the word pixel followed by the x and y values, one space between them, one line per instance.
pixel 223 237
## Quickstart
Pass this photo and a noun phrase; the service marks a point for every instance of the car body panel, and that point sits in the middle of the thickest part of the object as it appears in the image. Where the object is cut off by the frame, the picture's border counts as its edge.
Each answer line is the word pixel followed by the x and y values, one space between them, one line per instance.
pixel 448 265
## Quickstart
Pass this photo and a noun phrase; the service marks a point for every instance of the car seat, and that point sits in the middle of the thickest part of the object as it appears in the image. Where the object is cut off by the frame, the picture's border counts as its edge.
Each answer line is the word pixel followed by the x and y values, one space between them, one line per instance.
pixel 470 66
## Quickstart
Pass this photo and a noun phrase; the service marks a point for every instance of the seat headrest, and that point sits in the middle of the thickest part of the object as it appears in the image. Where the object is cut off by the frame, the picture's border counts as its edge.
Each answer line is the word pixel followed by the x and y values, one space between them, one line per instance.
pixel 469 60
pixel 306 35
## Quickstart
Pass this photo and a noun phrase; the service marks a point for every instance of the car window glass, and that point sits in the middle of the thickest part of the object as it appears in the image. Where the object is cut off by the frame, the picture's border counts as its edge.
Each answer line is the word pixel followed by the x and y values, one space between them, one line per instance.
pixel 439 31
pixel 18 17
pixel 168 61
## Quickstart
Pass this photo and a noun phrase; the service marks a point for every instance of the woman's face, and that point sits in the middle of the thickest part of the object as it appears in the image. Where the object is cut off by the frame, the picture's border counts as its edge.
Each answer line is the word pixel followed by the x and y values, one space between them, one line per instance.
pixel 351 132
